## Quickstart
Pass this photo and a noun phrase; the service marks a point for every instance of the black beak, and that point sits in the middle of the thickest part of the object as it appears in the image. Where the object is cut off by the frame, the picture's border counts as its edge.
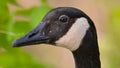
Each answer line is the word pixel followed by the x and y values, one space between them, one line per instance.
pixel 36 36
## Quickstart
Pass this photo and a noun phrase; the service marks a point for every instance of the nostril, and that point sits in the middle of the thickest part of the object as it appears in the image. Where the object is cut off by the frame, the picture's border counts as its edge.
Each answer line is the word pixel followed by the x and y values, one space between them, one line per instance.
pixel 32 34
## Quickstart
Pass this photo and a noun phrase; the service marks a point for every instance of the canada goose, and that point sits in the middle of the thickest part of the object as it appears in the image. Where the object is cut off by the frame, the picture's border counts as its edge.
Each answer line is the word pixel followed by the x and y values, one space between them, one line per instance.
pixel 70 28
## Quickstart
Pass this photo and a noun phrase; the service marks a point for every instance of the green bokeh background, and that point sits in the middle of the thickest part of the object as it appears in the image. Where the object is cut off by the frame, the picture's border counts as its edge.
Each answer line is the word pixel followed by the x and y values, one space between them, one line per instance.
pixel 10 29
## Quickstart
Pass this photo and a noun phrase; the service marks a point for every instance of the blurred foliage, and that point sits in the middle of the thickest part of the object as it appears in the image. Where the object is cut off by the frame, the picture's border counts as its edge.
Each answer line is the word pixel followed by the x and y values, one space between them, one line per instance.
pixel 112 45
pixel 114 32
pixel 10 29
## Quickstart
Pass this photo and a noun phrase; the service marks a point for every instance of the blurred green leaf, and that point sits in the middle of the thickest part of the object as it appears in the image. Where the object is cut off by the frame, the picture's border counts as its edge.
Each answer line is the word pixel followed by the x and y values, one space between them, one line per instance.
pixel 21 28
pixel 114 34
pixel 38 13
pixel 24 12
pixel 3 3
pixel 10 26
pixel 4 15
pixel 10 29
pixel 13 2
pixel 44 1
pixel 3 41
pixel 115 24
pixel 18 59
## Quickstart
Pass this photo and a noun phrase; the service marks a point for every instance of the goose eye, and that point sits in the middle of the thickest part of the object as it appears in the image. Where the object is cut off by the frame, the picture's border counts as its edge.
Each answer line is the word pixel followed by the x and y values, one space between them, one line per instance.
pixel 63 18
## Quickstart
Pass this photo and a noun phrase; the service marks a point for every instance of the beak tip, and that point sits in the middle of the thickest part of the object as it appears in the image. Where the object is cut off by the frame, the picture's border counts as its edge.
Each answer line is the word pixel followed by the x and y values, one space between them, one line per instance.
pixel 14 44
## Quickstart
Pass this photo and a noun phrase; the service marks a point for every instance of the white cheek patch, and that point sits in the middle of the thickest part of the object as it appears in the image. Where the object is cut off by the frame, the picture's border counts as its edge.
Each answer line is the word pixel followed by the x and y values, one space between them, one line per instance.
pixel 73 38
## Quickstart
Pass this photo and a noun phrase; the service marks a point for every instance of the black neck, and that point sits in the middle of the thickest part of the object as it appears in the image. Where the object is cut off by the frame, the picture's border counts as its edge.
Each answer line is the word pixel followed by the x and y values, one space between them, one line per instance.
pixel 87 56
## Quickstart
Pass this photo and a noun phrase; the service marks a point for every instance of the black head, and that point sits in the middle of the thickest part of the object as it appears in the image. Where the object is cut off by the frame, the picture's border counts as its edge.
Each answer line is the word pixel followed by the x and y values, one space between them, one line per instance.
pixel 57 27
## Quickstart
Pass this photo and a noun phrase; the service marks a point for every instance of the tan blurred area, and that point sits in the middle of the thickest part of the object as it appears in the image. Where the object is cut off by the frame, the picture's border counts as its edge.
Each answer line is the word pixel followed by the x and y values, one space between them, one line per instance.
pixel 60 57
